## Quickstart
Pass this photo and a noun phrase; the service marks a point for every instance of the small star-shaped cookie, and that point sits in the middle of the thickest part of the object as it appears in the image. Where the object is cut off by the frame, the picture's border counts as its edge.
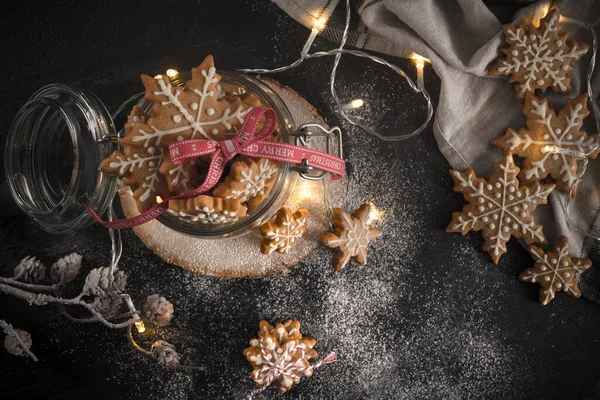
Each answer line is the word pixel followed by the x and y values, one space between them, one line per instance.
pixel 351 236
pixel 555 270
pixel 500 207
pixel 539 57
pixel 281 233
pixel 249 181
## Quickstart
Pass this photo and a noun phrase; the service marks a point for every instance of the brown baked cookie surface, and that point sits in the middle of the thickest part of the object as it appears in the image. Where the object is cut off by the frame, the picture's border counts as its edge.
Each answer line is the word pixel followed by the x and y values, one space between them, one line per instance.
pixel 499 207
pixel 538 57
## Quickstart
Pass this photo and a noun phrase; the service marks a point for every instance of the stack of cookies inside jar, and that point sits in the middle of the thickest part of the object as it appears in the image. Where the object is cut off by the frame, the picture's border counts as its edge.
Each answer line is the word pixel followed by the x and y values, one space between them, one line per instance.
pixel 201 108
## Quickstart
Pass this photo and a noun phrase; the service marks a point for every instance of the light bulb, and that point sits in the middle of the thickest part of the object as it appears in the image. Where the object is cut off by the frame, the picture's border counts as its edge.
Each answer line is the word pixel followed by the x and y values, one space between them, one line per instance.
pixel 356 103
pixel 420 64
pixel 140 326
pixel 159 76
pixel 306 190
pixel 419 60
pixel 320 23
pixel 374 213
pixel 172 72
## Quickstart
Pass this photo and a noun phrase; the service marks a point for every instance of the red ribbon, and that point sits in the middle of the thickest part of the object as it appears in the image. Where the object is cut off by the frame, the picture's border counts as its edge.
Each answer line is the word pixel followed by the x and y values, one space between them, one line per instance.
pixel 247 142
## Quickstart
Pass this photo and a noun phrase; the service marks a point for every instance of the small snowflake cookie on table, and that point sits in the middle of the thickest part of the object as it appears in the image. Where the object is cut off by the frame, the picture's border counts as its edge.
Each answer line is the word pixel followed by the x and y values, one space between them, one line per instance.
pixel 351 236
pixel 281 233
pixel 500 207
pixel 555 270
pixel 538 57
pixel 280 356
pixel 547 135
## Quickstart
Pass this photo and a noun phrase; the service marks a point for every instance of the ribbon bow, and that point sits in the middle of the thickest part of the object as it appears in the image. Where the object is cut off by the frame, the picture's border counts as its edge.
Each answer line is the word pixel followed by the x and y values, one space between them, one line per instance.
pixel 279 366
pixel 247 142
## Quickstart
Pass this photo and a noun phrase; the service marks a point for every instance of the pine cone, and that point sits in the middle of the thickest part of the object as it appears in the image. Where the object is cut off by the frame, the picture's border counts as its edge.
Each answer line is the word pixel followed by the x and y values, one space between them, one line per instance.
pixel 13 346
pixel 107 306
pixel 66 269
pixel 158 310
pixel 98 281
pixel 165 354
pixel 30 270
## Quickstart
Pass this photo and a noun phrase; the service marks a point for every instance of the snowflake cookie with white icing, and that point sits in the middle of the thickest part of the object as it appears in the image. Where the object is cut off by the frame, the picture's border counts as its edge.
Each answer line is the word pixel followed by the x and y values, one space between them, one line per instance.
pixel 499 207
pixel 351 236
pixel 555 270
pixel 249 181
pixel 139 167
pixel 193 111
pixel 547 136
pixel 180 178
pixel 539 57
pixel 281 233
pixel 280 355
pixel 207 210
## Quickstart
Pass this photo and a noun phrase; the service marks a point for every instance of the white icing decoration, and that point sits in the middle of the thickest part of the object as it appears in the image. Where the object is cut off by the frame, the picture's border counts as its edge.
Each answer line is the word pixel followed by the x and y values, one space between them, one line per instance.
pixel 206 216
pixel 137 118
pixel 537 58
pixel 194 106
pixel 220 92
pixel 210 111
pixel 193 123
pixel 153 162
pixel 177 118
pixel 254 184
pixel 502 209
pixel 282 238
pixel 180 178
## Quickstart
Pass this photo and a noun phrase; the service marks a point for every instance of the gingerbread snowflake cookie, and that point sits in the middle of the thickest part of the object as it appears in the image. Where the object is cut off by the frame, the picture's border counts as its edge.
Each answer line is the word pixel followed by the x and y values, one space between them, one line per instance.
pixel 280 355
pixel 555 270
pixel 281 233
pixel 179 178
pixel 351 236
pixel 547 136
pixel 250 181
pixel 538 57
pixel 139 167
pixel 207 210
pixel 499 207
pixel 190 112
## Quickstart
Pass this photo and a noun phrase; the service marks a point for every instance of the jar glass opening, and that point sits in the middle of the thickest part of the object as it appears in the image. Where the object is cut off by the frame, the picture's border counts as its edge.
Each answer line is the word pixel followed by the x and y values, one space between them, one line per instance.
pixel 52 155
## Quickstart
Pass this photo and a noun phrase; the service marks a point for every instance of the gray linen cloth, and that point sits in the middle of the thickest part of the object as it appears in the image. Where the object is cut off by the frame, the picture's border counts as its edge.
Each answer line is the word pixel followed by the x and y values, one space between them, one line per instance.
pixel 462 38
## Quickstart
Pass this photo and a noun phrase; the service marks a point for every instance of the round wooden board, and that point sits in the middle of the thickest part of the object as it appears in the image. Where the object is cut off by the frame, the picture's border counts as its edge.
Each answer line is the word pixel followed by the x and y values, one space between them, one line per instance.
pixel 240 256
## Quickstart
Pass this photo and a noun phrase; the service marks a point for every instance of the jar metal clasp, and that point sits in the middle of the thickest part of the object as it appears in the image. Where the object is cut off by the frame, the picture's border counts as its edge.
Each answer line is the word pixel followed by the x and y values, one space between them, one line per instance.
pixel 303 137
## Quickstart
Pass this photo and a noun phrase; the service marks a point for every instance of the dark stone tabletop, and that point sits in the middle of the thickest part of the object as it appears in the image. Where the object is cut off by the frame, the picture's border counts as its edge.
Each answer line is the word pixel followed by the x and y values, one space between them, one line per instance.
pixel 428 317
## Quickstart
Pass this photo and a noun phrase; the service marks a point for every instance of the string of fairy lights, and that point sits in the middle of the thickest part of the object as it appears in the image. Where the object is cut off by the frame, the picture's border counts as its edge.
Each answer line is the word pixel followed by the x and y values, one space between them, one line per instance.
pixel 318 25
pixel 342 107
pixel 595 111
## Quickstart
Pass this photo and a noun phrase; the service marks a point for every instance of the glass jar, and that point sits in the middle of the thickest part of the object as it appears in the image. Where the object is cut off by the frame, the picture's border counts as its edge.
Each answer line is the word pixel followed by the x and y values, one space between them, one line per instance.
pixel 53 150
pixel 59 138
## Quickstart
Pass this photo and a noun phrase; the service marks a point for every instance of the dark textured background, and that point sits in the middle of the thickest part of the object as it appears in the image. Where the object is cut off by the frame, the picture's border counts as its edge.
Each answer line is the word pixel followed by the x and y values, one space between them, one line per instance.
pixel 429 317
